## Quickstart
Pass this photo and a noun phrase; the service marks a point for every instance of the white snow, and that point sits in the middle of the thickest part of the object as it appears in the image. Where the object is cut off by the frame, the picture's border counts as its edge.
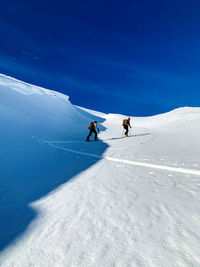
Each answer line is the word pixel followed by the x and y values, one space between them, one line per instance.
pixel 117 202
pixel 26 88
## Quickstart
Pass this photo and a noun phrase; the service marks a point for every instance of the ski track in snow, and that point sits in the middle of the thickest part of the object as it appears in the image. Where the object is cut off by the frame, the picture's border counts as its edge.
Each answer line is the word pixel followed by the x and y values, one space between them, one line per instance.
pixel 129 162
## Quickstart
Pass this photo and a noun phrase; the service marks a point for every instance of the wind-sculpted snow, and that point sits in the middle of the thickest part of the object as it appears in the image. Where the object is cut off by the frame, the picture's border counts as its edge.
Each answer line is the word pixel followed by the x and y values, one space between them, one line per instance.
pixel 38 112
pixel 27 89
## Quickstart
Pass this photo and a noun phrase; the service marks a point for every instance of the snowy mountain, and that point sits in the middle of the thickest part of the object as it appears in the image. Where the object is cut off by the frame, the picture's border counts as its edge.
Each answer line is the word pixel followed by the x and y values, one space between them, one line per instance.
pixel 117 202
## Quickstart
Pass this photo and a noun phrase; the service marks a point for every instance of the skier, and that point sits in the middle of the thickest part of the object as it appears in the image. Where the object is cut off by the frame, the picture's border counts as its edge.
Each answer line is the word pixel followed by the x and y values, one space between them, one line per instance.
pixel 92 126
pixel 126 124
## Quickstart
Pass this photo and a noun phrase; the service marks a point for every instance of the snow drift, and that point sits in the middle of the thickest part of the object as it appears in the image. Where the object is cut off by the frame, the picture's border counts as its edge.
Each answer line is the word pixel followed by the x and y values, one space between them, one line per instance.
pixel 34 111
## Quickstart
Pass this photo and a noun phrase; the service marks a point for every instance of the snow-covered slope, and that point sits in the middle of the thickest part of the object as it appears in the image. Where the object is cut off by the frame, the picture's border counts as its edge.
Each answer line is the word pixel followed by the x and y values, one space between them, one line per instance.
pixel 119 202
pixel 30 115
pixel 37 111
pixel 27 89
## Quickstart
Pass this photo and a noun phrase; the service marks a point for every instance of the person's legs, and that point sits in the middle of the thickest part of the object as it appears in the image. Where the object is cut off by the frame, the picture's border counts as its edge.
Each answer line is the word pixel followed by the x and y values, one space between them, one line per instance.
pixel 95 133
pixel 88 137
pixel 126 128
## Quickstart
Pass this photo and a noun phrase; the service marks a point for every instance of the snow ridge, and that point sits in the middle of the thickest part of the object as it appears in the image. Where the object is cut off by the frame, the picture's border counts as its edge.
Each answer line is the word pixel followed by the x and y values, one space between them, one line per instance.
pixel 26 88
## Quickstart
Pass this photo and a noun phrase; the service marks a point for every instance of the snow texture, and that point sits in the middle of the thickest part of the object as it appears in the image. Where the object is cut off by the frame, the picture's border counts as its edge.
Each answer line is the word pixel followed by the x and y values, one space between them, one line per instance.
pixel 122 201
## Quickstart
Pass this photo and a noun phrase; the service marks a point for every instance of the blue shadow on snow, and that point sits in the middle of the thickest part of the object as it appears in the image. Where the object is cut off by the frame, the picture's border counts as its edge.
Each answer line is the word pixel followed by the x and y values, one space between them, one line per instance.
pixel 29 171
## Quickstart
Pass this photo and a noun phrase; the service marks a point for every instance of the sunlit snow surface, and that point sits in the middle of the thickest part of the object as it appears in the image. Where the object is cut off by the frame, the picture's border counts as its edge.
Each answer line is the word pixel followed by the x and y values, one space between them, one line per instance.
pixel 118 202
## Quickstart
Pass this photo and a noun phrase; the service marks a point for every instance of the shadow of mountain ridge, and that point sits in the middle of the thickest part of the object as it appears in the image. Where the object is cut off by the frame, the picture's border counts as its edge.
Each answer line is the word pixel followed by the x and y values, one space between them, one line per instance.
pixel 29 171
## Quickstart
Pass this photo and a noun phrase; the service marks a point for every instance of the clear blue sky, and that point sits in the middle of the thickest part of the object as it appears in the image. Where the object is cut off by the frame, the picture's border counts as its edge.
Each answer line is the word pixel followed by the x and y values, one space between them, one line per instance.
pixel 131 57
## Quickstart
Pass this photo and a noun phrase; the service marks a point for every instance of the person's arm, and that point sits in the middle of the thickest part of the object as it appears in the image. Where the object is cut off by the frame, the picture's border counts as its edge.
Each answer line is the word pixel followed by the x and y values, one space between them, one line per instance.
pixel 96 127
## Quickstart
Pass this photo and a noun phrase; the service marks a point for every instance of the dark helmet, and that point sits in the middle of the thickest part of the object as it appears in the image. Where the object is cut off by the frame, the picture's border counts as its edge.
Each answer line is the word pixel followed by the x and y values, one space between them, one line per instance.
pixel 95 121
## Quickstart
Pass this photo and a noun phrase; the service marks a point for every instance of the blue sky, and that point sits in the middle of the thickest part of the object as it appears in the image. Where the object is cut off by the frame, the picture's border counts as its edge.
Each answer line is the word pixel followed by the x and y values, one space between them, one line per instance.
pixel 132 57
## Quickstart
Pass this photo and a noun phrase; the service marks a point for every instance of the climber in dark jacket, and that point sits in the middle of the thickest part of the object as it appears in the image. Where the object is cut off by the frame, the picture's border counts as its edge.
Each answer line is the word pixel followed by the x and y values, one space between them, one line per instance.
pixel 126 124
pixel 92 127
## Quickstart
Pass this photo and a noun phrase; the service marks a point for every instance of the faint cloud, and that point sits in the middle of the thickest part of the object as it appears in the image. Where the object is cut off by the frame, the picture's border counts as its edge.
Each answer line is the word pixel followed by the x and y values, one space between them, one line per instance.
pixel 9 64
pixel 30 54
pixel 37 58
pixel 132 68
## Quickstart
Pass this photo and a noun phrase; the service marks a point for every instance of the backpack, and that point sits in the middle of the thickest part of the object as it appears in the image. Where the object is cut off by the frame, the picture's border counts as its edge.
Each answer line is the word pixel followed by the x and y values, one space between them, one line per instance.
pixel 124 122
pixel 90 125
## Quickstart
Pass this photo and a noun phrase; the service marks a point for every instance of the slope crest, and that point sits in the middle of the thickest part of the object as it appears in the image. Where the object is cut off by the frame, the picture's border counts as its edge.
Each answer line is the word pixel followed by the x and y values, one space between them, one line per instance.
pixel 27 89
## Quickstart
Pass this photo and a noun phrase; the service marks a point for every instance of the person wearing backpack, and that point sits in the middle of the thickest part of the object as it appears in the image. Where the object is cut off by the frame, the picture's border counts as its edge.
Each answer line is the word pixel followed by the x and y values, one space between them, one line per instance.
pixel 92 126
pixel 126 124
